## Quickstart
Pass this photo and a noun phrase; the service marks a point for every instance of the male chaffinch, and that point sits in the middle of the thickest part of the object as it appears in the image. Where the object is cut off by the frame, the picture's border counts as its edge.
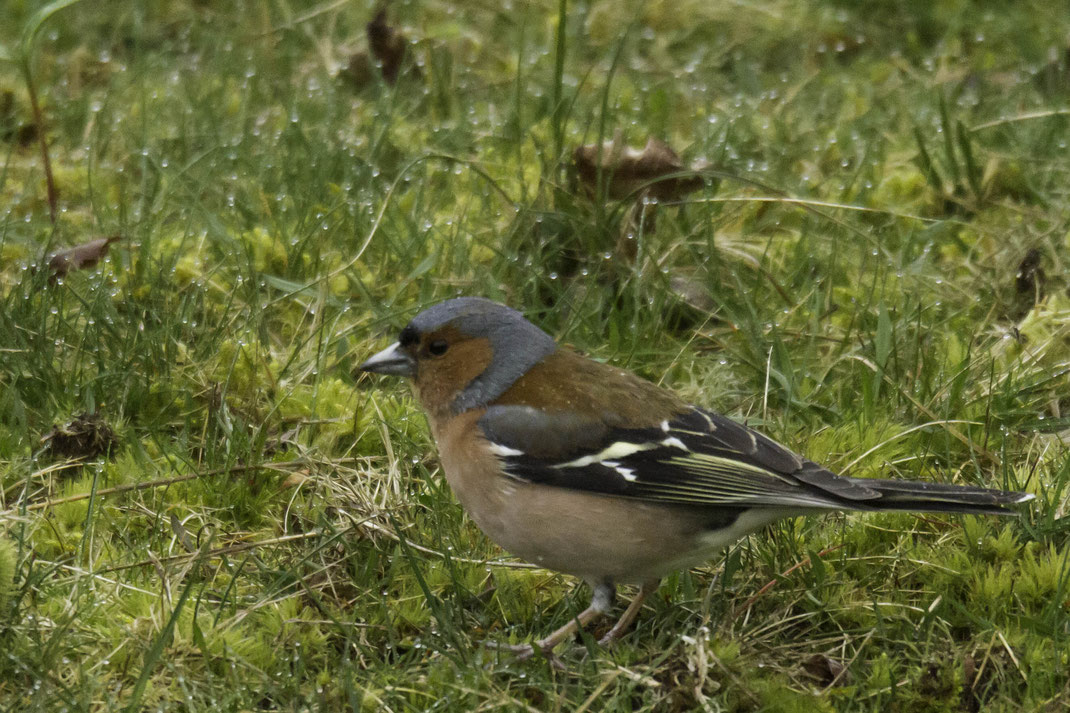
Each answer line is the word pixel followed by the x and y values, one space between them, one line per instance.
pixel 587 469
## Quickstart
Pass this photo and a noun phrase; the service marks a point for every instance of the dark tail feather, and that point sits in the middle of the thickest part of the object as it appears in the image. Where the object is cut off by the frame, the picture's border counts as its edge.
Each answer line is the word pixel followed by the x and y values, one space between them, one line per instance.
pixel 939 497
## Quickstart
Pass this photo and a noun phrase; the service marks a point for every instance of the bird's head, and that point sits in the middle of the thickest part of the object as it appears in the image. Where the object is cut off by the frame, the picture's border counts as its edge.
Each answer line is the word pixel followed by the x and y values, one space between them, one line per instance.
pixel 463 353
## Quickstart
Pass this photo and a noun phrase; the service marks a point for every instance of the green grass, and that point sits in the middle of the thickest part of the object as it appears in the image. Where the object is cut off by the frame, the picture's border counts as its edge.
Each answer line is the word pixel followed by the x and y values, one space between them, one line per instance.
pixel 272 533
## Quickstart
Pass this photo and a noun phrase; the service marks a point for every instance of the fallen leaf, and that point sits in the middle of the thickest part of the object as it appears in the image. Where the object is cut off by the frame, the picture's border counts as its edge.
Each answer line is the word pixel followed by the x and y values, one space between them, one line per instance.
pixel 1029 284
pixel 1054 77
pixel 85 437
pixel 388 46
pixel 693 293
pixel 80 256
pixel 182 534
pixel 628 171
pixel 11 128
pixel 969 699
pixel 295 479
pixel 1029 280
pixel 280 443
pixel 827 671
pixel 358 70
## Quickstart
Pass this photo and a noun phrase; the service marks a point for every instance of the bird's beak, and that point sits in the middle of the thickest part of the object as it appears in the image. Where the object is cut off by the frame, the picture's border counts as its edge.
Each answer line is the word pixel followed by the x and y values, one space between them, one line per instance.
pixel 391 360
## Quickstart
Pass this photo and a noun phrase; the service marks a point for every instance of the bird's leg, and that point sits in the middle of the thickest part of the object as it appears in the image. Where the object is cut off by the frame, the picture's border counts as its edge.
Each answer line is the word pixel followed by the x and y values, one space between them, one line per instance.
pixel 601 603
pixel 629 614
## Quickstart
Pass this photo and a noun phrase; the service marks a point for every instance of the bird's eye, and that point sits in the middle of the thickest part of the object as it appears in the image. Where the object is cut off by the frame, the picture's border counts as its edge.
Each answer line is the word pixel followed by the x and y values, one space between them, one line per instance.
pixel 438 347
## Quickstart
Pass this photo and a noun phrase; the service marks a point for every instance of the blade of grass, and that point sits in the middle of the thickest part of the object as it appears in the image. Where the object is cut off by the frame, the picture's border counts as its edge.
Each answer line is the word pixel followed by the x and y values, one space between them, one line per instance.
pixel 557 97
pixel 973 172
pixel 163 640
pixel 947 130
pixel 457 652
pixel 925 162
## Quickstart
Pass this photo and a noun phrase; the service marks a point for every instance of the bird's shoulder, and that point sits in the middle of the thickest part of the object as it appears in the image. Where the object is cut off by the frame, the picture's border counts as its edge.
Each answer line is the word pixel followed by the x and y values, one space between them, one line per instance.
pixel 566 382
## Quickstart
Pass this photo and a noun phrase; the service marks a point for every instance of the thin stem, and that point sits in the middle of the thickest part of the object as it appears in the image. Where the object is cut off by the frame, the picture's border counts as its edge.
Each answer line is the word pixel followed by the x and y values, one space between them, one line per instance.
pixel 39 119
pixel 559 75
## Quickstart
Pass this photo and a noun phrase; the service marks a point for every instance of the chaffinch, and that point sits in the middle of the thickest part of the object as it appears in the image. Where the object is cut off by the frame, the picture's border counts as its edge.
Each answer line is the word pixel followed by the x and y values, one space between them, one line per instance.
pixel 587 469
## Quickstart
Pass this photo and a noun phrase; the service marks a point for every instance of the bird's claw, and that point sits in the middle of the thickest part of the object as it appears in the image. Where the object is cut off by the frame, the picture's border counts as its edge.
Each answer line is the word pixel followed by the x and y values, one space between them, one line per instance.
pixel 523 652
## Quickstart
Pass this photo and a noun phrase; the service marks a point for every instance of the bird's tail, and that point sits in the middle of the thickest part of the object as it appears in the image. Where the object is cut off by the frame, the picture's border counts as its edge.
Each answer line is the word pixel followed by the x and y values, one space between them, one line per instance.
pixel 939 497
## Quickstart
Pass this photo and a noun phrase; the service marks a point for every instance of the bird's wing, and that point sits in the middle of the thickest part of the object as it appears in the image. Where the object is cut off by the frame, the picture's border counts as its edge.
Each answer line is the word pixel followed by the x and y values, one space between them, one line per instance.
pixel 696 457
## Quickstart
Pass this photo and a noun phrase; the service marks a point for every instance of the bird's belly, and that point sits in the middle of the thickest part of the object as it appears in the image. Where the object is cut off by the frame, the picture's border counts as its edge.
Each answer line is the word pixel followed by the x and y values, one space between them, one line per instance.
pixel 596 536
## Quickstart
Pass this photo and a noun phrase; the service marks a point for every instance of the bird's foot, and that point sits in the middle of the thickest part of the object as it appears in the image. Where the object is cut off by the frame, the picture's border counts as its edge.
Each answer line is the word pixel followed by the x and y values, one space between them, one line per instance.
pixel 629 615
pixel 600 603
pixel 523 652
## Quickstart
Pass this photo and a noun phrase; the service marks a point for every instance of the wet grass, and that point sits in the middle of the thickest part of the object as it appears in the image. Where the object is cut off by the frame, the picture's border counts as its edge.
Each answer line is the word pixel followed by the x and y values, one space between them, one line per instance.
pixel 883 252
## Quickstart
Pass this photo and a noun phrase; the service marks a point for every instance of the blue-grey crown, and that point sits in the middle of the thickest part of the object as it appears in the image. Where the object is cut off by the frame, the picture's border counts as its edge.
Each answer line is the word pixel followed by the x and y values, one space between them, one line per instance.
pixel 518 344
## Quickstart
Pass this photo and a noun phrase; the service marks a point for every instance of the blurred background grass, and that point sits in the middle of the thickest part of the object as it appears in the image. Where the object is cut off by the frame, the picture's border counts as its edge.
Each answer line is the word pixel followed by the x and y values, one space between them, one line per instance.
pixel 875 274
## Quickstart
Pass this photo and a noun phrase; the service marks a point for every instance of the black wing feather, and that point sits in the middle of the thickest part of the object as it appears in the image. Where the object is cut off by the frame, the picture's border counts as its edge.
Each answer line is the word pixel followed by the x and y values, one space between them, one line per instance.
pixel 699 458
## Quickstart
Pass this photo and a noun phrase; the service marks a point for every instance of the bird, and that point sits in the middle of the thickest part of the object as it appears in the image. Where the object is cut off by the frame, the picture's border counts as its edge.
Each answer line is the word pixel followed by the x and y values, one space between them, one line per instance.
pixel 584 468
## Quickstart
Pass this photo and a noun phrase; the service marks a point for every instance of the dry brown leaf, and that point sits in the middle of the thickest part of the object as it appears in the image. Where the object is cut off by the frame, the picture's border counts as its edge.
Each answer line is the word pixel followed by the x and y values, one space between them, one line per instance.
pixel 388 46
pixel 1029 280
pixel 827 671
pixel 627 170
pixel 12 130
pixel 282 442
pixel 692 292
pixel 295 479
pixel 80 256
pixel 85 437
pixel 182 534
pixel 358 70
pixel 1029 284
